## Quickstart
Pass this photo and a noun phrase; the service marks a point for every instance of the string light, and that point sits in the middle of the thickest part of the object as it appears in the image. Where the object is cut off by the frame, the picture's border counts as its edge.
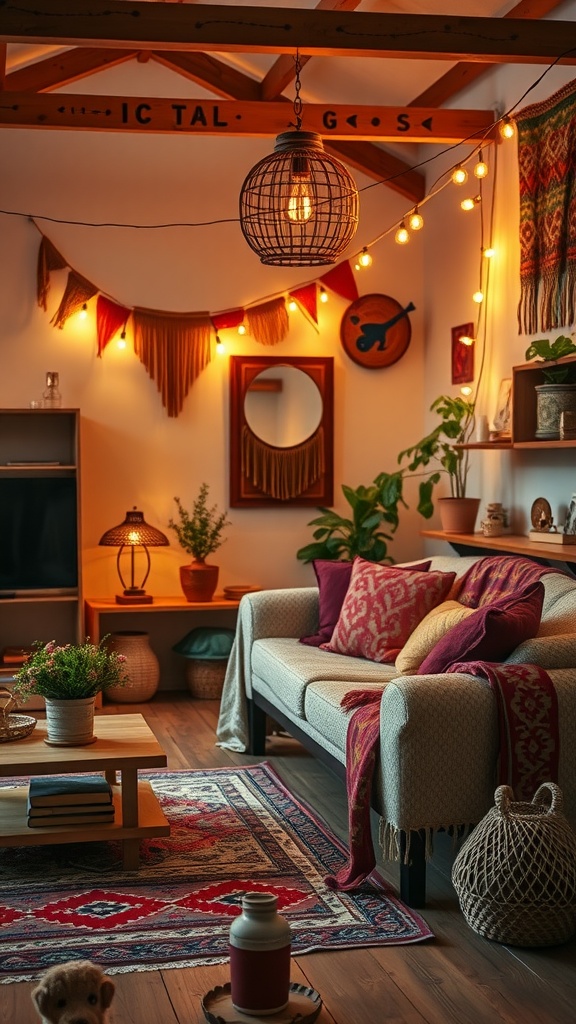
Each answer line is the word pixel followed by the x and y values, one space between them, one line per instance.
pixel 83 312
pixel 478 297
pixel 470 202
pixel 416 220
pixel 402 235
pixel 507 128
pixel 241 329
pixel 219 344
pixel 465 339
pixel 488 253
pixel 121 343
pixel 480 168
pixel 459 175
pixel 292 306
pixel 466 390
pixel 365 259
pixel 323 295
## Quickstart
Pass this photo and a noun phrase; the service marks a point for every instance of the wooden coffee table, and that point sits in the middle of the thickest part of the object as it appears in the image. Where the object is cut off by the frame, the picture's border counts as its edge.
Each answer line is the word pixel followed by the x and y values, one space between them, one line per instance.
pixel 124 744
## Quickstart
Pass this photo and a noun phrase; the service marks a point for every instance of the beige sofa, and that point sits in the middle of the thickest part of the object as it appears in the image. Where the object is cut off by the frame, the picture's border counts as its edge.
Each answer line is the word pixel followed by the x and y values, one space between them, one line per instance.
pixel 439 734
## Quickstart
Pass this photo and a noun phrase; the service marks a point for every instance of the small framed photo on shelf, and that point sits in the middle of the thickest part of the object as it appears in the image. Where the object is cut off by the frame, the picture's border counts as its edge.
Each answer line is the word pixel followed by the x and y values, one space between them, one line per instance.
pixel 503 414
pixel 570 522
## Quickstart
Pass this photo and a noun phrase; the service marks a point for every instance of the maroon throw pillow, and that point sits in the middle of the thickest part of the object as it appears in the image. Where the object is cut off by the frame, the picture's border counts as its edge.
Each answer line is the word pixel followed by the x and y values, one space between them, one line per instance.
pixel 491 633
pixel 333 580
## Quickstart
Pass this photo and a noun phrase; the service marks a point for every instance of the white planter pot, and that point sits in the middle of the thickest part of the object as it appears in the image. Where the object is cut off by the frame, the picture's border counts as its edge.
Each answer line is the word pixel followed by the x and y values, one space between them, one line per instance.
pixel 70 723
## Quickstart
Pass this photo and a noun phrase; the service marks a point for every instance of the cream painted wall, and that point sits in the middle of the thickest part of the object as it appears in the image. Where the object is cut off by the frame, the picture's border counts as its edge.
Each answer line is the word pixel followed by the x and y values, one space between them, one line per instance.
pixel 132 453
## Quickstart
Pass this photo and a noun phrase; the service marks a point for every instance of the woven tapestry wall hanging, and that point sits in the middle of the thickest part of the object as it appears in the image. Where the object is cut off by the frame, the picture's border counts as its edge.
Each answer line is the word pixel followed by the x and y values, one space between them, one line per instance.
pixel 547 173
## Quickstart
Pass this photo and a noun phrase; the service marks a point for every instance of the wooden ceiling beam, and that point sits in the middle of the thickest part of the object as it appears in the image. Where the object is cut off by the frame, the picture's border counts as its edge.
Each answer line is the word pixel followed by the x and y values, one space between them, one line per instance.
pixel 213 74
pixel 63 68
pixel 465 73
pixel 116 23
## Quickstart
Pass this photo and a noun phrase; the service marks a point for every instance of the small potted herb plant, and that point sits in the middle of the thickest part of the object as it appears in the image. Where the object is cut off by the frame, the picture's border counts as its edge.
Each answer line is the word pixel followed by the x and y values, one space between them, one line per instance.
pixel 200 534
pixel 558 392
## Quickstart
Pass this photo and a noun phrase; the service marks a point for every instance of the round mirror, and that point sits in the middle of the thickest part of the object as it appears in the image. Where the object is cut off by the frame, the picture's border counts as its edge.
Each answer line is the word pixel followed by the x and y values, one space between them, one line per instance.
pixel 283 406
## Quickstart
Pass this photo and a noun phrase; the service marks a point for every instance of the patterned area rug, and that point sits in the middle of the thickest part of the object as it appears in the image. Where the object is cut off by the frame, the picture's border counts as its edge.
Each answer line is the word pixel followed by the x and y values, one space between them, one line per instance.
pixel 233 830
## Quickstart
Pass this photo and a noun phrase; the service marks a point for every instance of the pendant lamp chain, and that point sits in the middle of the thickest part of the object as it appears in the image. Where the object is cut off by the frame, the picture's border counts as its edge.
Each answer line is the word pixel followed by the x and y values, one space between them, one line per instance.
pixel 297 98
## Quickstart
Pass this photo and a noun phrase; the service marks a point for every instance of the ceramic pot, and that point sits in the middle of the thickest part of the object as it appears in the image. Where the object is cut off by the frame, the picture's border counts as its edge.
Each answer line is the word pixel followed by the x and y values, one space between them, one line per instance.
pixel 70 723
pixel 142 668
pixel 199 580
pixel 458 515
pixel 551 401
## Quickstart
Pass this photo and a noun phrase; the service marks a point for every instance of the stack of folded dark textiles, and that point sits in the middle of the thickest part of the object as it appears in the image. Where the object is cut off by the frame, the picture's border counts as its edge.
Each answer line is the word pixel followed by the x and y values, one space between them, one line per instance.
pixel 69 800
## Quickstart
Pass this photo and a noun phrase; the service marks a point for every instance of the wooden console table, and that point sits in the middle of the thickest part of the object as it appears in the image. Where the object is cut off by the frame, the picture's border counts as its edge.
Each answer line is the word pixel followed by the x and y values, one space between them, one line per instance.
pixel 124 743
pixel 97 607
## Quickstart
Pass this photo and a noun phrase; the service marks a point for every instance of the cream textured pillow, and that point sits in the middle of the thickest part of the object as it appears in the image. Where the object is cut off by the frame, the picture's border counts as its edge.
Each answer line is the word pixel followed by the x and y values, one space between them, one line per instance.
pixel 427 634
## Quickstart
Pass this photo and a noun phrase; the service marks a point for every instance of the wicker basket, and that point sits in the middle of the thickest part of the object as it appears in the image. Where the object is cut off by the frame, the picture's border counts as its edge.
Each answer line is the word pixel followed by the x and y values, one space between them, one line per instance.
pixel 515 875
pixel 205 677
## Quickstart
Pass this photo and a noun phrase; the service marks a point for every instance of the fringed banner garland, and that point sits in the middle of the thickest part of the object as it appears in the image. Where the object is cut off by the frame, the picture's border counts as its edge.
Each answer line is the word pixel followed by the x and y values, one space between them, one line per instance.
pixel 547 179
pixel 282 473
pixel 268 322
pixel 78 291
pixel 223 321
pixel 174 348
pixel 49 259
pixel 110 317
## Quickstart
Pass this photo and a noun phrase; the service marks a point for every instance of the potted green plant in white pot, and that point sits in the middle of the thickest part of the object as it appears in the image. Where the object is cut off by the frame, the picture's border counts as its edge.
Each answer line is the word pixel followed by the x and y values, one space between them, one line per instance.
pixel 558 392
pixel 458 512
pixel 200 534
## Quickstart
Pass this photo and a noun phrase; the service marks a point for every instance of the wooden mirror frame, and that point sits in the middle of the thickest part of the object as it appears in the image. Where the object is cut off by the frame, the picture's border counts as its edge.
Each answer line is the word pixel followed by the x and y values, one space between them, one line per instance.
pixel 243 370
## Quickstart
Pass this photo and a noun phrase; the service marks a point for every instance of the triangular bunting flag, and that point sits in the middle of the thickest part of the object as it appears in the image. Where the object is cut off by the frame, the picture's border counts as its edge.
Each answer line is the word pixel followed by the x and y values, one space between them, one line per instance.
pixel 341 280
pixel 110 317
pixel 78 290
pixel 306 299
pixel 48 259
pixel 233 318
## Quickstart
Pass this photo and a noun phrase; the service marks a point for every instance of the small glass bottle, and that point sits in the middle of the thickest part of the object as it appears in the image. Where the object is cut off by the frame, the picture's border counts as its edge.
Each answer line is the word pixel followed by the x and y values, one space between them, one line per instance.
pixel 52 399
pixel 260 956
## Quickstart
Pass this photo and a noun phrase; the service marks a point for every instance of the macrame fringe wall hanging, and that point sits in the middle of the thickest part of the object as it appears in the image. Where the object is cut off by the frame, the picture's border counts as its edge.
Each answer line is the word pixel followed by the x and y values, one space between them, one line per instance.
pixel 282 473
pixel 175 347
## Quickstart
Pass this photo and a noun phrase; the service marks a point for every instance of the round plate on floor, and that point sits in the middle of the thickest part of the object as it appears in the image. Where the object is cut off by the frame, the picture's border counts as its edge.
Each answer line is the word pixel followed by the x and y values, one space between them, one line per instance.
pixel 304 1005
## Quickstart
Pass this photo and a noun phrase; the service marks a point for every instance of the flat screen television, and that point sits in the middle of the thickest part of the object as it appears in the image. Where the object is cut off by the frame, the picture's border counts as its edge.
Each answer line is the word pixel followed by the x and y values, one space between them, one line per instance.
pixel 38 535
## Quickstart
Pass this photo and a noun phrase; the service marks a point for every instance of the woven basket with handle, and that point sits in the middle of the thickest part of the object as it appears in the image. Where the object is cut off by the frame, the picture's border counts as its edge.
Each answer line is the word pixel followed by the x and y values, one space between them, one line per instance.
pixel 515 875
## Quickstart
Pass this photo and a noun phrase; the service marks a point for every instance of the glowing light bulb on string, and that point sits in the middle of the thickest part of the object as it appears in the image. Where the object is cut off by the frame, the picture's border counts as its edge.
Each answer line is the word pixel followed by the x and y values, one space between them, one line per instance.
pixel 470 202
pixel 480 168
pixel 365 259
pixel 488 253
pixel 478 296
pixel 84 311
pixel 402 235
pixel 323 295
pixel 466 390
pixel 219 345
pixel 242 329
pixel 121 343
pixel 292 306
pixel 507 128
pixel 465 339
pixel 416 220
pixel 459 175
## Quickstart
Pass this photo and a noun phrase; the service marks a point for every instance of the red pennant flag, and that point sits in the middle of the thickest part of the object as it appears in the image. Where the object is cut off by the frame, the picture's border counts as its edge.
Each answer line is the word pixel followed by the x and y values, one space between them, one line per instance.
pixel 110 317
pixel 341 280
pixel 306 299
pixel 233 318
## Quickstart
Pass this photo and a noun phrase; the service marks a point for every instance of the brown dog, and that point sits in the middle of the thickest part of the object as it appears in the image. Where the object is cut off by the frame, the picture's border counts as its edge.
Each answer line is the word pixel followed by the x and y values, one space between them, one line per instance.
pixel 76 992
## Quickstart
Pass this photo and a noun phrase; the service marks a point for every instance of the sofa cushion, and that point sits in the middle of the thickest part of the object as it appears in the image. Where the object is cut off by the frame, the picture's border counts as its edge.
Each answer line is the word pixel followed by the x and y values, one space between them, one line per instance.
pixel 491 633
pixel 333 580
pixel 383 605
pixel 427 634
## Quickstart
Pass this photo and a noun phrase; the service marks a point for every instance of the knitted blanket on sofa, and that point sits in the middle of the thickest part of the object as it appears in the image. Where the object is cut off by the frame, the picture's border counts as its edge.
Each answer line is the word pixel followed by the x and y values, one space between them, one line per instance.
pixel 528 752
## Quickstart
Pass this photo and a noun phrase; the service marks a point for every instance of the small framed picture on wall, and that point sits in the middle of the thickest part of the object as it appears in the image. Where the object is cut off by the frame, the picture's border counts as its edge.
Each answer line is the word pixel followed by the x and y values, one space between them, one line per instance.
pixel 463 354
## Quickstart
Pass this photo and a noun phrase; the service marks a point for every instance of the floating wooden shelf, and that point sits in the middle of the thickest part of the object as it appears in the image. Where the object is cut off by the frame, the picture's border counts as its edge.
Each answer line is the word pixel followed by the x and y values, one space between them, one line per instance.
pixel 514 544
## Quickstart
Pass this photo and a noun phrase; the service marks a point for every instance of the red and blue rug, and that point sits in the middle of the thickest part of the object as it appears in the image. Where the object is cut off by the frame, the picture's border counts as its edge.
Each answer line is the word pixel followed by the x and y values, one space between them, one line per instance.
pixel 233 830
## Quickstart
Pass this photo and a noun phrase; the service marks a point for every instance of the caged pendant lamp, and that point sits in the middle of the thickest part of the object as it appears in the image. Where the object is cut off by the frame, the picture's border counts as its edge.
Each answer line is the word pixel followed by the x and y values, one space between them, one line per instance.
pixel 298 206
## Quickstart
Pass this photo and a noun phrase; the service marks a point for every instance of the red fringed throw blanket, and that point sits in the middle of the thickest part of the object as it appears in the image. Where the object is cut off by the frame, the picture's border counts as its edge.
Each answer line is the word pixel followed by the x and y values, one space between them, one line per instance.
pixel 529 749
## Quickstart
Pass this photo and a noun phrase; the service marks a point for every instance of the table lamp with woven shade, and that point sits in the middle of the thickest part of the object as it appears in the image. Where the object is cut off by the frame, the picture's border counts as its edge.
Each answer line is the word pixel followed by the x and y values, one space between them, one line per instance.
pixel 133 532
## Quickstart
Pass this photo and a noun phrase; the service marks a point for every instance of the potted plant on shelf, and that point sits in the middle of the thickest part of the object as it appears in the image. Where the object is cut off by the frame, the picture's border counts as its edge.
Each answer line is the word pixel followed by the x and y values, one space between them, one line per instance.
pixel 558 392
pixel 441 446
pixel 69 677
pixel 341 537
pixel 199 534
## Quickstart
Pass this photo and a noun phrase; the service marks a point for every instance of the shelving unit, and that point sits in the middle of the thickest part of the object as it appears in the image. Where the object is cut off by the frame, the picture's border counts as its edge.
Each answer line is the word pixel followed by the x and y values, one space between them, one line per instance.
pixel 38 444
pixel 514 544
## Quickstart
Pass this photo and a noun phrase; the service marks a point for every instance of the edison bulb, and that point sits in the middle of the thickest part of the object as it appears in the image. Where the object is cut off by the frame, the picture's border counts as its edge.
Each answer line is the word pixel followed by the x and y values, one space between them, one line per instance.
pixel 241 329
pixel 299 209
pixel 365 259
pixel 466 390
pixel 459 175
pixel 323 295
pixel 416 220
pixel 83 312
pixel 478 296
pixel 489 253
pixel 507 128
pixel 480 168
pixel 465 339
pixel 292 306
pixel 402 235
pixel 467 204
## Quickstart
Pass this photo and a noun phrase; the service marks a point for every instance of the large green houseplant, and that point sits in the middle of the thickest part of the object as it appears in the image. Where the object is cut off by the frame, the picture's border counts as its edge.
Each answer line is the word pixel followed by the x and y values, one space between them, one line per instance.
pixel 200 534
pixel 438 453
pixel 557 394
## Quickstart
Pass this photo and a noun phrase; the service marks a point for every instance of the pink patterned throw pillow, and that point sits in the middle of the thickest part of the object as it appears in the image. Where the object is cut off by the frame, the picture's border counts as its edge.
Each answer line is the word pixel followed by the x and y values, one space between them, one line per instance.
pixel 382 607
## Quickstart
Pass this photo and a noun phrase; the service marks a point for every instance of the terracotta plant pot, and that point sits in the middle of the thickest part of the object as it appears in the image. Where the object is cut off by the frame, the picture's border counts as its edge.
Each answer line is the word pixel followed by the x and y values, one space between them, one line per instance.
pixel 199 580
pixel 458 515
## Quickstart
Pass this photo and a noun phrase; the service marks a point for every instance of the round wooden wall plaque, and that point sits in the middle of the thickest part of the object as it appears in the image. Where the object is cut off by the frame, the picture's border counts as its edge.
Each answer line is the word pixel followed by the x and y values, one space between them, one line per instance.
pixel 376 330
